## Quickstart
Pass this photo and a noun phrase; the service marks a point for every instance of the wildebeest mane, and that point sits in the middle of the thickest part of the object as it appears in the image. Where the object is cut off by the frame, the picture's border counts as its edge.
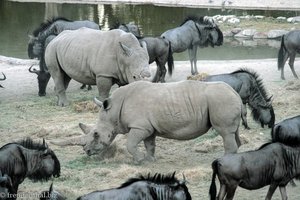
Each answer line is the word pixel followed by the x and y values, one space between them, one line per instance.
pixel 258 80
pixel 43 26
pixel 199 20
pixel 30 144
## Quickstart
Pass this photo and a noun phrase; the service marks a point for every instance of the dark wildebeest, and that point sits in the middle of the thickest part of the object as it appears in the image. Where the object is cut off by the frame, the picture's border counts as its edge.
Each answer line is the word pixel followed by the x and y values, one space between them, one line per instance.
pixel 38 42
pixel 186 110
pixel 129 28
pixel 273 164
pixel 290 45
pixel 159 50
pixel 51 194
pixel 194 32
pixel 157 187
pixel 28 159
pixel 2 79
pixel 120 59
pixel 252 91
pixel 287 131
pixel 5 186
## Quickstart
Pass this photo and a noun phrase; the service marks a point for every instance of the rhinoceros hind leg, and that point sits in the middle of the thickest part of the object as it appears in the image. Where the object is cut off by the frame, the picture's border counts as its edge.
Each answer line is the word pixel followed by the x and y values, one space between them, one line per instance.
pixel 150 148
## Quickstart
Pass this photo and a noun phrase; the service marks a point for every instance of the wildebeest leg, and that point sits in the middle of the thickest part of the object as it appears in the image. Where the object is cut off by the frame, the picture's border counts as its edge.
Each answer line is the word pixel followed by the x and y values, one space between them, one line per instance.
pixel 193 60
pixel 104 85
pixel 244 117
pixel 283 192
pixel 286 56
pixel 230 192
pixel 271 191
pixel 222 192
pixel 291 63
pixel 157 74
pixel 163 72
pixel 150 147
pixel 135 136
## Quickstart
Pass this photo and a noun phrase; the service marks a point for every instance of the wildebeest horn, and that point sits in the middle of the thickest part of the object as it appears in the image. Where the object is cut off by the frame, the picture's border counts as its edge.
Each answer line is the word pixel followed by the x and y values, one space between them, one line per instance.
pixel 98 102
pixel 80 140
pixel 270 99
pixel 144 45
pixel 44 143
pixel 4 77
pixel 33 70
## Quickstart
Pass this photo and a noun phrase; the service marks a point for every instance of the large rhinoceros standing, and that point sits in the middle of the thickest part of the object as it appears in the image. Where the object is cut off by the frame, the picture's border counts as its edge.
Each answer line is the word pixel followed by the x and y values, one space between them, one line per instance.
pixel 95 57
pixel 181 110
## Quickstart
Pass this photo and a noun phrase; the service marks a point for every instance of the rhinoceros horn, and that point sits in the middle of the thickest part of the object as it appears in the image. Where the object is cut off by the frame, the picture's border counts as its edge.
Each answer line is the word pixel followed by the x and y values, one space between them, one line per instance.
pixel 79 140
pixel 33 70
pixel 4 77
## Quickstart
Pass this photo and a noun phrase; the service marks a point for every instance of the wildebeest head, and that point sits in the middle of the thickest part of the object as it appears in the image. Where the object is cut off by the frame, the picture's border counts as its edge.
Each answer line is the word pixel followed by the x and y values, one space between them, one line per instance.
pixel 133 61
pixel 45 160
pixel 264 114
pixel 43 79
pixel 2 79
pixel 35 47
pixel 5 185
pixel 215 36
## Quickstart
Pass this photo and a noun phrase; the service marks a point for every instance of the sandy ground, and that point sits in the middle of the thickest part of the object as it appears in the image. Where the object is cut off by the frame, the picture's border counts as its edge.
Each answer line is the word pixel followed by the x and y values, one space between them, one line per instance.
pixel 24 114
pixel 229 4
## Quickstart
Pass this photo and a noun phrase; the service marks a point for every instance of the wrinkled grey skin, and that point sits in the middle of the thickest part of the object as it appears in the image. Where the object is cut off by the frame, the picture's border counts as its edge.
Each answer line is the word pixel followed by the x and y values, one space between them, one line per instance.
pixel 2 79
pixel 83 56
pixel 144 110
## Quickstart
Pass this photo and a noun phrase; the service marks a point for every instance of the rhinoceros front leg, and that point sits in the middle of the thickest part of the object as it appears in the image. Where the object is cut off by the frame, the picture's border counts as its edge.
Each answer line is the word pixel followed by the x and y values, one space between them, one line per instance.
pixel 104 85
pixel 135 136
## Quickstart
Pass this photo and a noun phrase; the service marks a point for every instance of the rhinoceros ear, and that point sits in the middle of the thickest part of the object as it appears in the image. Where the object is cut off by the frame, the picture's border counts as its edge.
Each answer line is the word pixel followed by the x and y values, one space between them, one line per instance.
pixel 107 104
pixel 86 129
pixel 126 50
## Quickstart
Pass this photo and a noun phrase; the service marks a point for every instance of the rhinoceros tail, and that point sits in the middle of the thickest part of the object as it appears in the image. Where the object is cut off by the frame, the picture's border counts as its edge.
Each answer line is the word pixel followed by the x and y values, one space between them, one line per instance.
pixel 170 60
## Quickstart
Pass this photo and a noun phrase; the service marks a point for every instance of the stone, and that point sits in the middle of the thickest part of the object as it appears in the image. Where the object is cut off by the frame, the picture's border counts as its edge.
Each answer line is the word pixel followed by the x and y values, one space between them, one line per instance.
pixel 274 34
pixel 260 35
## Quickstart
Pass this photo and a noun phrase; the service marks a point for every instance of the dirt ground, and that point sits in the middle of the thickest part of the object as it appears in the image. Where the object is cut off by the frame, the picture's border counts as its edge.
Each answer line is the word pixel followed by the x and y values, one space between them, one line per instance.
pixel 24 114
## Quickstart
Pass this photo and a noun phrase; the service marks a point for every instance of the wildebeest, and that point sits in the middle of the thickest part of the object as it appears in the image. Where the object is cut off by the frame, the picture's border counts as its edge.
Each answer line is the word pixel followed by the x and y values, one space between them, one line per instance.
pixel 160 51
pixel 42 36
pixel 194 32
pixel 83 56
pixel 287 131
pixel 5 186
pixel 51 194
pixel 290 45
pixel 28 159
pixel 250 87
pixel 181 110
pixel 131 27
pixel 2 79
pixel 273 164
pixel 157 187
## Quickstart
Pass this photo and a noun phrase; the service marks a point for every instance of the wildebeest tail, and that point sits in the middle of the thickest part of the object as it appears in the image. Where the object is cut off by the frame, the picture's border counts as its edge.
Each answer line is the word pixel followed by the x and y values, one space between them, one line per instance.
pixel 281 54
pixel 170 60
pixel 213 188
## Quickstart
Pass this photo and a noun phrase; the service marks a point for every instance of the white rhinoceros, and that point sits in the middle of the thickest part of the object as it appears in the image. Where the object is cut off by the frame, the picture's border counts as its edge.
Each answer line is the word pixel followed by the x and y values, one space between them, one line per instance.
pixel 95 57
pixel 181 110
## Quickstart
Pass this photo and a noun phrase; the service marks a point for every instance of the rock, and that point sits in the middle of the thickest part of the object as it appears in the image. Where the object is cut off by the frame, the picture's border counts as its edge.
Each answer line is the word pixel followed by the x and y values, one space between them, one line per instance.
pixel 259 17
pixel 236 30
pixel 234 21
pixel 260 35
pixel 247 33
pixel 274 34
pixel 228 34
pixel 281 18
pixel 293 19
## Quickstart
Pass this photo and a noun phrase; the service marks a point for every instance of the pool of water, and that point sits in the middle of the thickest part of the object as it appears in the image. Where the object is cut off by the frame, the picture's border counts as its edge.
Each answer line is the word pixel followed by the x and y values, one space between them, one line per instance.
pixel 18 20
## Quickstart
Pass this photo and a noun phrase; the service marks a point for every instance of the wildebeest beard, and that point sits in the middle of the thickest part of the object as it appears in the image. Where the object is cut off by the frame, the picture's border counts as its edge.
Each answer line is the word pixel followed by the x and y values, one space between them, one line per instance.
pixel 40 175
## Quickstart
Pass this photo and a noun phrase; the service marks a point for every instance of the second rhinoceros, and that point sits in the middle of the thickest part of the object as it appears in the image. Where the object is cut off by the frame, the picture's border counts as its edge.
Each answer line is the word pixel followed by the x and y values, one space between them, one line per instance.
pixel 94 57
pixel 181 110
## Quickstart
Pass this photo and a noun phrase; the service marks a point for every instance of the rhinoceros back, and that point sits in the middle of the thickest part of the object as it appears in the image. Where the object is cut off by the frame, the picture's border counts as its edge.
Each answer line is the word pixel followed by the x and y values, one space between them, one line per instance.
pixel 181 110
pixel 85 53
